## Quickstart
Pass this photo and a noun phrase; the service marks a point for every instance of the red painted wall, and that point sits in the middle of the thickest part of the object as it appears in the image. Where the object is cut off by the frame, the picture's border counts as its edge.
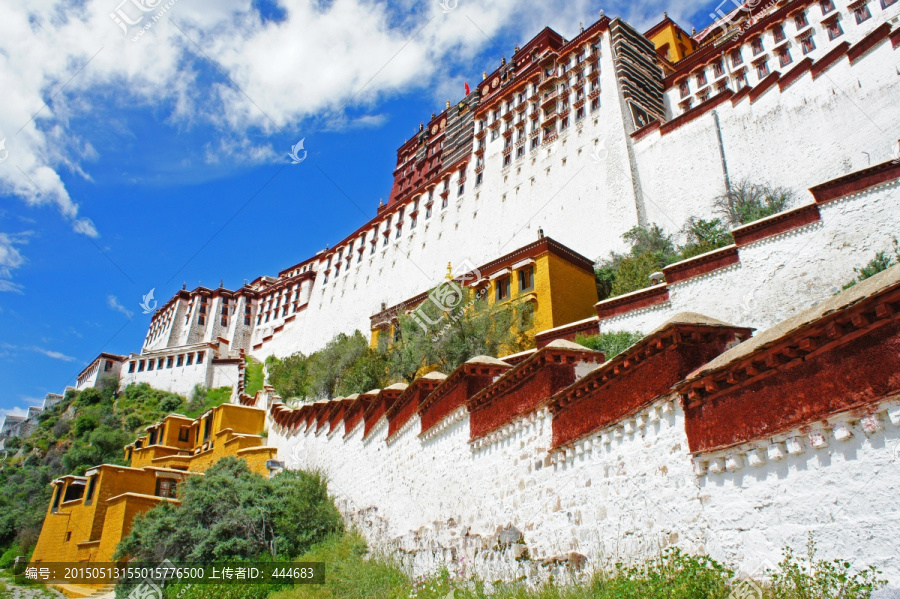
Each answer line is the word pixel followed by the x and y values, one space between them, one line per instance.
pixel 849 376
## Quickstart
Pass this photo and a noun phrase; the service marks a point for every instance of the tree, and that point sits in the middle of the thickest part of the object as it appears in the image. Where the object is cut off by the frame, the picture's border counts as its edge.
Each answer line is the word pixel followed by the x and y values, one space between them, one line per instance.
pixel 745 202
pixel 432 337
pixel 290 376
pixel 703 236
pixel 232 513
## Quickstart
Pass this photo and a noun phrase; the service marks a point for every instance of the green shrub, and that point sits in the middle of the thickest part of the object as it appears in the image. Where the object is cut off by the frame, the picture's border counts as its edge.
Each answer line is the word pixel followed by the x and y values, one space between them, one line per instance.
pixel 611 343
pixel 704 236
pixel 882 261
pixel 232 513
pixel 85 423
pixel 821 579
pixel 351 571
pixel 745 202
pixel 89 397
pixel 9 556
pixel 254 379
pixel 170 404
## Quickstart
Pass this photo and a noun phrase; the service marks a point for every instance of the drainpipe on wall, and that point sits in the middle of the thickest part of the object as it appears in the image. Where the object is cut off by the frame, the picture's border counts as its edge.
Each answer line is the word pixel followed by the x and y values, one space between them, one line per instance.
pixel 722 151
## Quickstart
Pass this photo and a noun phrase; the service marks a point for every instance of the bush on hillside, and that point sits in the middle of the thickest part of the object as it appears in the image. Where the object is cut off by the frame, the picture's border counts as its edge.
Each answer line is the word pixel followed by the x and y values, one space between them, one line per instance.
pixel 232 513
pixel 105 419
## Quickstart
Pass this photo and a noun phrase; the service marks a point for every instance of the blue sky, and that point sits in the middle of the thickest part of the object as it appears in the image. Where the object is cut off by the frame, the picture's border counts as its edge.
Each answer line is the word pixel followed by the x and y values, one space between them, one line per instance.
pixel 149 167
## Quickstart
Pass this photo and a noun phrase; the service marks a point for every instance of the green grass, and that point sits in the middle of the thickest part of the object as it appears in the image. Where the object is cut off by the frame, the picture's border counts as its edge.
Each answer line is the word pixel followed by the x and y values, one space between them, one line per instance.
pixel 353 572
pixel 253 376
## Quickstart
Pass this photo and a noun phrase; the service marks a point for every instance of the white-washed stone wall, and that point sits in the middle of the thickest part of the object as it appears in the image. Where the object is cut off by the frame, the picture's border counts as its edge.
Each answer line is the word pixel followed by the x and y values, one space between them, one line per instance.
pixel 622 494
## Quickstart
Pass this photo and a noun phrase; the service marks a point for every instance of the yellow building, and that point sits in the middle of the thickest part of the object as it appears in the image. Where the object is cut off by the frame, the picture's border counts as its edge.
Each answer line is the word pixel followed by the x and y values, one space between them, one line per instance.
pixel 89 515
pixel 559 283
pixel 671 40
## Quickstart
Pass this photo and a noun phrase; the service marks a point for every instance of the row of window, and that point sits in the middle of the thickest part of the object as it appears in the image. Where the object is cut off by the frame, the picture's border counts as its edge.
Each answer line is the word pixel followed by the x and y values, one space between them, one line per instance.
pixel 781 48
pixel 165 362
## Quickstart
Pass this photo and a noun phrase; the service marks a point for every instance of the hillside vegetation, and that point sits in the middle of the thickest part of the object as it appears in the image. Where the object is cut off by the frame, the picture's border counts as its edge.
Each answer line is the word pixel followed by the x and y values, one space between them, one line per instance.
pixel 85 429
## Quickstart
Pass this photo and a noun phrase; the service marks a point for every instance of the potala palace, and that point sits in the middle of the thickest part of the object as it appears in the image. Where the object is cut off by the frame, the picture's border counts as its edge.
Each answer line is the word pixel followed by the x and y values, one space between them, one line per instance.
pixel 762 402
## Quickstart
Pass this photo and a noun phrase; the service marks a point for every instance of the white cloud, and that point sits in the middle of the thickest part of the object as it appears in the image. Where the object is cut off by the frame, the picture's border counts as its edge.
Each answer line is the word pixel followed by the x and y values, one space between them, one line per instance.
pixel 20 412
pixel 53 354
pixel 11 259
pixel 67 59
pixel 114 303
pixel 47 352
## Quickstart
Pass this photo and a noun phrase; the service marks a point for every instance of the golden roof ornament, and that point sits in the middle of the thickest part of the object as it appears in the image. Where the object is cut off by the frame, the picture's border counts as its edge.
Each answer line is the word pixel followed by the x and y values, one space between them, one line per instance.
pixel 449 272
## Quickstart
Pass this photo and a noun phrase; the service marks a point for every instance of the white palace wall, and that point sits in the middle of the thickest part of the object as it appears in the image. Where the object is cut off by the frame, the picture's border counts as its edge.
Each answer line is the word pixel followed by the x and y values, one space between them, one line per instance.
pixel 625 493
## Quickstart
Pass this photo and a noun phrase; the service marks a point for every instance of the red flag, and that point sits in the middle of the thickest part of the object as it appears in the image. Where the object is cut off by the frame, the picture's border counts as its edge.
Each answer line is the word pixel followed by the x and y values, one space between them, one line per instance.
pixel 467 88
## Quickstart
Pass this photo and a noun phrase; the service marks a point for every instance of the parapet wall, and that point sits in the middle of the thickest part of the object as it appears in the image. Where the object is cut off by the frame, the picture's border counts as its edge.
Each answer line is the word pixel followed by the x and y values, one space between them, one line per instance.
pixel 672 443
pixel 779 265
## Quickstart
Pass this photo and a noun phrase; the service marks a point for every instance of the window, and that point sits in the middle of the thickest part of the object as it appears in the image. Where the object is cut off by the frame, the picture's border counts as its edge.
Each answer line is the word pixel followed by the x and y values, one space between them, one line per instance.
pixel 736 58
pixel 520 152
pixel 460 189
pixel 190 359
pixel 701 78
pixel 740 80
pixel 722 85
pixel 784 56
pixel 68 536
pixel 412 221
pixel 526 278
pixel 595 104
pixel 756 44
pixel 169 362
pixel 165 487
pixel 808 44
pixel 183 434
pixel 684 88
pixel 834 29
pixel 150 365
pixel 579 114
pixel 495 134
pixel 141 366
pixel 131 367
pixel 762 69
pixel 703 96
pixel 506 161
pixel 427 212
pixel 564 123
pixel 862 13
pixel 201 320
pixel 778 33
pixel 479 178
pixel 180 361
pixel 827 6
pixel 718 69
pixel 159 364
pixel 800 20
pixel 534 143
pixel 886 3
pixel 502 286
pixel 200 357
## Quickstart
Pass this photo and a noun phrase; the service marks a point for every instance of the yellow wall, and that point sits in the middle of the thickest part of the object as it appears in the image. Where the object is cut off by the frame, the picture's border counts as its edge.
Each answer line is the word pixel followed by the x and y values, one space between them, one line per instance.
pixel 572 292
pixel 678 48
